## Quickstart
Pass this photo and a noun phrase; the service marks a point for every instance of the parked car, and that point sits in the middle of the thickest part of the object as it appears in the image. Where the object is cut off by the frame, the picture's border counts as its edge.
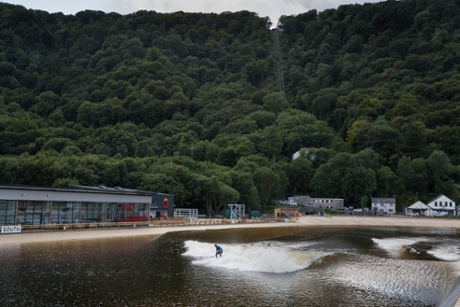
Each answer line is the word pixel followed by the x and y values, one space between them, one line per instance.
pixel 358 210
pixel 441 213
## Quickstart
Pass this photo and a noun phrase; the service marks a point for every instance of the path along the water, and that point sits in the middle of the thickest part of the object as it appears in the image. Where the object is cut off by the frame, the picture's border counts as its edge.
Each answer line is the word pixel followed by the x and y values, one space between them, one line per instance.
pixel 29 237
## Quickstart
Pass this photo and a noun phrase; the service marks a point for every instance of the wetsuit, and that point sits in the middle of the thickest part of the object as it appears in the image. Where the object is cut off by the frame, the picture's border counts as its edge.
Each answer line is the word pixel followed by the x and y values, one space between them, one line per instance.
pixel 219 251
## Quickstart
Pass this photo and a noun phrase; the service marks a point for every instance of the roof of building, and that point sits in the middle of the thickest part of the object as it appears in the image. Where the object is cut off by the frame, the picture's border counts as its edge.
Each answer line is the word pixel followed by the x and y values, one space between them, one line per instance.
pixel 383 199
pixel 77 188
pixel 419 206
pixel 438 197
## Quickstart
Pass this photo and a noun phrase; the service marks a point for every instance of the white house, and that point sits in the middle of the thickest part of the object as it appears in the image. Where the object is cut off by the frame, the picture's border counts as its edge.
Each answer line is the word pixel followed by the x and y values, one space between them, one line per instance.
pixel 304 151
pixel 383 205
pixel 442 205
pixel 418 208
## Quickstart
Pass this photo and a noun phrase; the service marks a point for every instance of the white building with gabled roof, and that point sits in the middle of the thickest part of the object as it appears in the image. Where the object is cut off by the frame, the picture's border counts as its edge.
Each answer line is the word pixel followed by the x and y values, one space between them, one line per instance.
pixel 418 208
pixel 442 205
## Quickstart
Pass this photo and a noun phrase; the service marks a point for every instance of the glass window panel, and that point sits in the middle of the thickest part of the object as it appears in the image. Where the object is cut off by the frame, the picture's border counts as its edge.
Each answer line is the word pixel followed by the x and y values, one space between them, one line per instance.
pixel 33 212
pixel 65 212
pixel 91 212
pixel 113 213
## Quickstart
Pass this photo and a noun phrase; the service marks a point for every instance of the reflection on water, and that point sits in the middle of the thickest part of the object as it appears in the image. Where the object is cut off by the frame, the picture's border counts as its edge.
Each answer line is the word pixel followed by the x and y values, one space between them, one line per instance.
pixel 290 266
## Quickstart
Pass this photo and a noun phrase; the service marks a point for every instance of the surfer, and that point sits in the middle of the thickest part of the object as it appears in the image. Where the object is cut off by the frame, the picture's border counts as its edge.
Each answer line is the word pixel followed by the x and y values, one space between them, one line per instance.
pixel 219 250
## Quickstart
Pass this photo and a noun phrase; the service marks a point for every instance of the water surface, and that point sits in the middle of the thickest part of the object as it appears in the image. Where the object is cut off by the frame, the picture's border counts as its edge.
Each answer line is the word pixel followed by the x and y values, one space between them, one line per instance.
pixel 282 266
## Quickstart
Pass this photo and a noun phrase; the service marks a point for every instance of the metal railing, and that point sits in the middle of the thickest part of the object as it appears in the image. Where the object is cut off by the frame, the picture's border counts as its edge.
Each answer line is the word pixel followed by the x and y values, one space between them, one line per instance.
pixel 81 226
pixel 170 222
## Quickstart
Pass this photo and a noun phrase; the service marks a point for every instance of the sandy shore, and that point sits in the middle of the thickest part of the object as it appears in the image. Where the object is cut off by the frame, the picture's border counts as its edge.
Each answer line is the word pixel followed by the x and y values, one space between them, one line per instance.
pixel 305 221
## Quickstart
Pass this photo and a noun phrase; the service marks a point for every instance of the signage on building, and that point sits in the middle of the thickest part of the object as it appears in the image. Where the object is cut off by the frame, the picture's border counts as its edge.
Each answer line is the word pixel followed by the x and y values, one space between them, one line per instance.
pixel 11 229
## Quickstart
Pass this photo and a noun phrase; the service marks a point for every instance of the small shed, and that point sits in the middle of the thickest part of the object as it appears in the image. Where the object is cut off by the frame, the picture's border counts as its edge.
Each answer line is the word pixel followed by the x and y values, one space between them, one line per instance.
pixel 286 212
pixel 418 208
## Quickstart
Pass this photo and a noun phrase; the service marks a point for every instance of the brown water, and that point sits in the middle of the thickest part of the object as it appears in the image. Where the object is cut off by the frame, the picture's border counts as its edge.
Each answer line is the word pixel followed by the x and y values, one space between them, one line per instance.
pixel 290 266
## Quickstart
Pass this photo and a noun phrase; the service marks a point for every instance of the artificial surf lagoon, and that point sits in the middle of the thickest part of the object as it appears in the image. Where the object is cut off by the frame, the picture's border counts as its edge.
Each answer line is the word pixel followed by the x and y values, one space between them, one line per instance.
pixel 283 266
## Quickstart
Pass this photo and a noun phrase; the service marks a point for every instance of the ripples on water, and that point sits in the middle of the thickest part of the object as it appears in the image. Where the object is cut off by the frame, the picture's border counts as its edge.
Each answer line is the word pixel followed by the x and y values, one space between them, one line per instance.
pixel 260 267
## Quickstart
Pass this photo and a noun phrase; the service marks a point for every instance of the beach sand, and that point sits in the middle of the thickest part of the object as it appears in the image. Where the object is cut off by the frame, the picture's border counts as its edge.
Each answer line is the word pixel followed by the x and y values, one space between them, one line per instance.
pixel 305 221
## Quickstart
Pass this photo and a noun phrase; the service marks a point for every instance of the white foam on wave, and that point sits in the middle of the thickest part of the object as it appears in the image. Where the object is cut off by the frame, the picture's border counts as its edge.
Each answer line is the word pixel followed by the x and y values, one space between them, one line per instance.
pixel 446 252
pixel 256 257
pixel 394 244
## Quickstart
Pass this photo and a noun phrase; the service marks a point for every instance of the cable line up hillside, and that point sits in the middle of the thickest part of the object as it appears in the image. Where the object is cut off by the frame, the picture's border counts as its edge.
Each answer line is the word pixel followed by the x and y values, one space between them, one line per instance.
pixel 279 65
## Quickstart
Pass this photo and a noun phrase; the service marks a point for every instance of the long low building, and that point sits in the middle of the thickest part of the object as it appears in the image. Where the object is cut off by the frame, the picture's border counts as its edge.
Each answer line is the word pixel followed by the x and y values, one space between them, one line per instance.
pixel 26 205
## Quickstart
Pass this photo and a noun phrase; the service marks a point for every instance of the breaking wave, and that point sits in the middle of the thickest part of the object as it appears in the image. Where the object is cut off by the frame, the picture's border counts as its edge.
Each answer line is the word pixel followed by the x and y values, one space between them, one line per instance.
pixel 255 257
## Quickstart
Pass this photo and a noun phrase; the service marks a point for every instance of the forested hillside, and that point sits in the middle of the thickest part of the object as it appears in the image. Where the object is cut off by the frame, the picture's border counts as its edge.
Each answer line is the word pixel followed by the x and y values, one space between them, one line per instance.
pixel 189 103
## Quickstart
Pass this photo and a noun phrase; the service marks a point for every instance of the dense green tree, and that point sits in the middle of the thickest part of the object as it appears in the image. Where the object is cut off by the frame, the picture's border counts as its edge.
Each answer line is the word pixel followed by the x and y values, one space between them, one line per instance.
pixel 325 182
pixel 387 182
pixel 243 182
pixel 171 179
pixel 57 144
pixel 440 170
pixel 274 102
pixel 263 118
pixel 414 139
pixel 368 158
pixel 299 173
pixel 165 102
pixel 271 142
pixel 216 195
pixel 414 174
pixel 383 138
pixel 266 182
pixel 47 102
pixel 358 183
pixel 143 149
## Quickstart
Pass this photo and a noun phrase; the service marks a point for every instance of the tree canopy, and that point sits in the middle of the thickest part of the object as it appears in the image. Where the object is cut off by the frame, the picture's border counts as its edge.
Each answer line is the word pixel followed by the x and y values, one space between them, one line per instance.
pixel 189 103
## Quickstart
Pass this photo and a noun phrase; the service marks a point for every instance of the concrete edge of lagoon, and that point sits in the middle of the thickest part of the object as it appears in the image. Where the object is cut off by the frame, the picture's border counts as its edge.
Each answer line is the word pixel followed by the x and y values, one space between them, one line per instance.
pixel 304 221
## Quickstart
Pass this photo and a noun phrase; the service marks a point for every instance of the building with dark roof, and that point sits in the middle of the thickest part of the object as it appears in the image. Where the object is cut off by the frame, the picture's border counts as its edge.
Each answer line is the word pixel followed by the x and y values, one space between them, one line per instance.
pixel 27 205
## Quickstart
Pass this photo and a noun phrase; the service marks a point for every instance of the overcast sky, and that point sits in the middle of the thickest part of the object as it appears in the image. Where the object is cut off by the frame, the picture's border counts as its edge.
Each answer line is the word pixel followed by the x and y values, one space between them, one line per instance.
pixel 271 8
